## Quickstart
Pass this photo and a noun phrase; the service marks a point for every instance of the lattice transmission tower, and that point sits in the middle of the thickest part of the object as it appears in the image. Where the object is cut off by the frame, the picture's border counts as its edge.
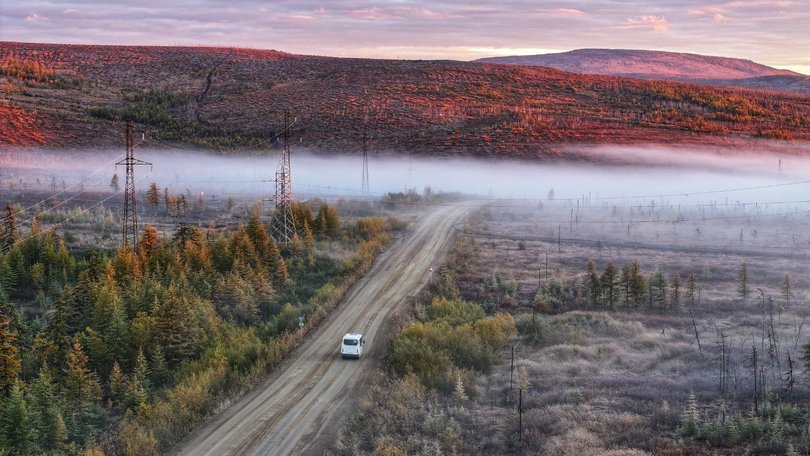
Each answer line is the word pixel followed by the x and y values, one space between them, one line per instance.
pixel 282 225
pixel 129 230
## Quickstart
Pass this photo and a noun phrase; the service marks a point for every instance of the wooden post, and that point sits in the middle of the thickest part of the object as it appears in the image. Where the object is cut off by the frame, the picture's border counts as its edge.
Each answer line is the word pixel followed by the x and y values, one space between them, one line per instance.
pixel 520 415
pixel 512 369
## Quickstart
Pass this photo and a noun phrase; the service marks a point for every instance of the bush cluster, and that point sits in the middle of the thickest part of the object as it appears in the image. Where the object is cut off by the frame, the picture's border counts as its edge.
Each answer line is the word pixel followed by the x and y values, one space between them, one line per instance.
pixel 455 335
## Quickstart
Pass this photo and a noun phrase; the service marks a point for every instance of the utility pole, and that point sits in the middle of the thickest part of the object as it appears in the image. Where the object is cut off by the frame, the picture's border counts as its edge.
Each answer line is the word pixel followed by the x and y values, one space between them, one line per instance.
pixel 282 225
pixel 365 158
pixel 129 230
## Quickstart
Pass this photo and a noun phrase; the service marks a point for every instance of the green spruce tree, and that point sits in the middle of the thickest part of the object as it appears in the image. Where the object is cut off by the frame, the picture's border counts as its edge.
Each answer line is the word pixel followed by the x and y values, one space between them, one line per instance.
pixel 16 431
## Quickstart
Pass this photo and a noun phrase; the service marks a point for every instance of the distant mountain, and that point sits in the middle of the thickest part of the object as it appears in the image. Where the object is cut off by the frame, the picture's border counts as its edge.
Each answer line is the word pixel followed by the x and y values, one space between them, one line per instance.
pixel 646 64
pixel 233 99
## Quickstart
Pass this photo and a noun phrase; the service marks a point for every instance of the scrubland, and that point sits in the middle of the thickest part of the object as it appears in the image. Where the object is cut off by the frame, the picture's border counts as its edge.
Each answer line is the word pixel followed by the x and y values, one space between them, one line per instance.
pixel 669 365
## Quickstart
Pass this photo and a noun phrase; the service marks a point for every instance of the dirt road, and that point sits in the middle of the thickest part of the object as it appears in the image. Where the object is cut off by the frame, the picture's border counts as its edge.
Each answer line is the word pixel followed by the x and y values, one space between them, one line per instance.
pixel 298 409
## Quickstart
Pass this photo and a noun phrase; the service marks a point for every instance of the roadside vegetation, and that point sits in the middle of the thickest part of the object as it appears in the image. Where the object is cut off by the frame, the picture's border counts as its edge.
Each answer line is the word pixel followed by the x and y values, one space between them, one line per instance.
pixel 125 351
pixel 432 364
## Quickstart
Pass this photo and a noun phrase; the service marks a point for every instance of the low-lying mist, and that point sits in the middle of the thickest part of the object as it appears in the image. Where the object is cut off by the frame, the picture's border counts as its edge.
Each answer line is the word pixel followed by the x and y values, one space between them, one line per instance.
pixel 666 175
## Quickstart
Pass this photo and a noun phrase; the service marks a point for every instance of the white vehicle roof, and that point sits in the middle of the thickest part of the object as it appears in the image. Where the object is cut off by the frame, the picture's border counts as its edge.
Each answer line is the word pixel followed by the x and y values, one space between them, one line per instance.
pixel 352 336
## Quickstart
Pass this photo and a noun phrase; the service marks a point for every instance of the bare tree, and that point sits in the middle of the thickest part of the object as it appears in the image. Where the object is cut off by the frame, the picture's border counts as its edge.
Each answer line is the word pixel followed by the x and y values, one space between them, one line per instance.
pixel 691 295
pixel 724 364
pixel 754 365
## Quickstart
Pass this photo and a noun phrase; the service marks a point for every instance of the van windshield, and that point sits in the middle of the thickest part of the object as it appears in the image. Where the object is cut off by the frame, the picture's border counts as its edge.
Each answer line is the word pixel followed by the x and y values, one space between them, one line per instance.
pixel 349 341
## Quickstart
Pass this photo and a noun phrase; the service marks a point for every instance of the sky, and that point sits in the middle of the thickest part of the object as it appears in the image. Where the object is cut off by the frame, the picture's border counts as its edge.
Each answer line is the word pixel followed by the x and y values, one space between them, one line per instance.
pixel 772 32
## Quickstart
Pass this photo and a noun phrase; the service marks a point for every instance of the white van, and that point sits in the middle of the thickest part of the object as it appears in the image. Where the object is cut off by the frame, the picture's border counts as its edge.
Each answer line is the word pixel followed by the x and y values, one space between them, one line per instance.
pixel 352 345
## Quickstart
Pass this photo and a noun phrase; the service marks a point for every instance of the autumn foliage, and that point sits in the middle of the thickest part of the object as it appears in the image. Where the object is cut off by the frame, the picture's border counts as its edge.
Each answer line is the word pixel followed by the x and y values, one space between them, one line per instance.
pixel 136 347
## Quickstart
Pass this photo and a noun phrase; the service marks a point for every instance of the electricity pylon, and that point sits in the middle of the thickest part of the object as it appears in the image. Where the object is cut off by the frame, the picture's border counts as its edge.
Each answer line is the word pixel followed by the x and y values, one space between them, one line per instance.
pixel 282 225
pixel 129 227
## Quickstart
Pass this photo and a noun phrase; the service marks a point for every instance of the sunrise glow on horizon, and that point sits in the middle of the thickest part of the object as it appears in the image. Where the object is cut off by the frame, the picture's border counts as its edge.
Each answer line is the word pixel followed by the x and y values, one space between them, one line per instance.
pixel 771 32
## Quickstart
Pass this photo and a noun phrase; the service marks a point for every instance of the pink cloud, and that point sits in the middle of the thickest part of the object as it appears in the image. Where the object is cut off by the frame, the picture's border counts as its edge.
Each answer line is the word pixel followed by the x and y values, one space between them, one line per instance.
pixel 760 4
pixel 397 13
pixel 740 7
pixel 34 17
pixel 428 14
pixel 564 12
pixel 370 14
pixel 706 10
pixel 656 23
pixel 751 11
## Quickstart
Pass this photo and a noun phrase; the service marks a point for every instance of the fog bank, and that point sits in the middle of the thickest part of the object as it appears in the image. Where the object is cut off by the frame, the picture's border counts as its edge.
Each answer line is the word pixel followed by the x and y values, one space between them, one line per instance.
pixel 672 176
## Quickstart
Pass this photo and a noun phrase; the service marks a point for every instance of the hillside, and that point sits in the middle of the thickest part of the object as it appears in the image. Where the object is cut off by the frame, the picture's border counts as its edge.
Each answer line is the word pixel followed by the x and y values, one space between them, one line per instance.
pixel 228 99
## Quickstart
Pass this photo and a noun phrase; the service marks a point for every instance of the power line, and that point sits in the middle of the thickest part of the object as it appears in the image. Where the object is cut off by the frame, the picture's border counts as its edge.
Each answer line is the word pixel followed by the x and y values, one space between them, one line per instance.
pixel 56 225
pixel 686 194
pixel 65 190
pixel 54 207
pixel 83 211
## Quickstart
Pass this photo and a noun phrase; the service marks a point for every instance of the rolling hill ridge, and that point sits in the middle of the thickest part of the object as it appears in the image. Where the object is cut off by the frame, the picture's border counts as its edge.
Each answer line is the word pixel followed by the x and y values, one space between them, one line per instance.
pixel 645 64
pixel 232 100
pixel 668 66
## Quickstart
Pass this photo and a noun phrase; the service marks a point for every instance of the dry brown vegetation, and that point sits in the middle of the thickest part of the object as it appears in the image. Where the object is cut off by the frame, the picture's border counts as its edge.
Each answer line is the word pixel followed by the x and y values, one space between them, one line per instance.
pixel 228 98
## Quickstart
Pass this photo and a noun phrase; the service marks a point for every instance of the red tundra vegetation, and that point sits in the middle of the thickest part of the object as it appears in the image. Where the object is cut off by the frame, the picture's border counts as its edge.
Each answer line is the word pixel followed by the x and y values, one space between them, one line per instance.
pixel 228 98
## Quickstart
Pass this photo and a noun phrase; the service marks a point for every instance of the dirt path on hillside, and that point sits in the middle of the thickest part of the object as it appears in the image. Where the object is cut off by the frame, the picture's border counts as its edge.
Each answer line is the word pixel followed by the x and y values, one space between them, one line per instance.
pixel 298 410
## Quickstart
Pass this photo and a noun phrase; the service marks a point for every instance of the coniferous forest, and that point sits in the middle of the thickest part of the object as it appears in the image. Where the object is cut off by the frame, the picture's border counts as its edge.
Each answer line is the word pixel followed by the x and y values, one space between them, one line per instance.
pixel 125 351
